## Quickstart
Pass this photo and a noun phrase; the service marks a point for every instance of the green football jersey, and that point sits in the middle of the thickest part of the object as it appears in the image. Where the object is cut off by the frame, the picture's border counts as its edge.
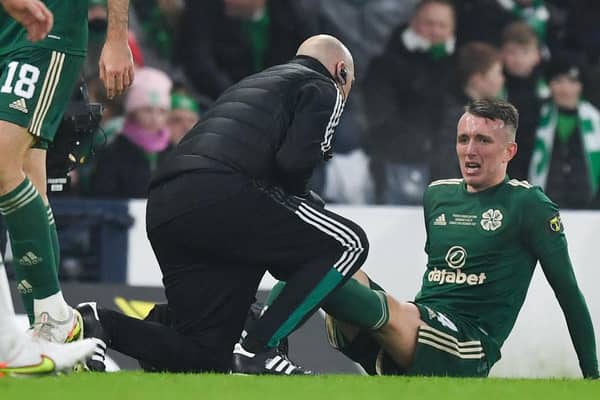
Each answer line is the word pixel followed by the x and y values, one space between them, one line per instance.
pixel 482 250
pixel 69 33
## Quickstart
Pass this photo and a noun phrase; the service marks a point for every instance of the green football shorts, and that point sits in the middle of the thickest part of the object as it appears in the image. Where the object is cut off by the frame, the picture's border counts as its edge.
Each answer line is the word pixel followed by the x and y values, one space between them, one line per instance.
pixel 444 348
pixel 35 86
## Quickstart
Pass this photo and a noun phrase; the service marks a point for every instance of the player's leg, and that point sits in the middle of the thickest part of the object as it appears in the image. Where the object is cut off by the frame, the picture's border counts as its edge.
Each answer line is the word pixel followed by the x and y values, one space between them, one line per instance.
pixel 10 334
pixel 37 85
pixel 163 348
pixel 208 318
pixel 415 341
pixel 355 305
pixel 315 251
pixel 351 330
pixel 209 299
pixel 35 169
pixel 445 346
pixel 22 355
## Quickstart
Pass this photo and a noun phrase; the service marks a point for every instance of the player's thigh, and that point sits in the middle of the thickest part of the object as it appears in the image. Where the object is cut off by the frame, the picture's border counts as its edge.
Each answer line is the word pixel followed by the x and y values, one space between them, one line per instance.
pixel 35 169
pixel 14 144
pixel 260 226
pixel 399 336
pixel 293 232
pixel 35 86
pixel 445 347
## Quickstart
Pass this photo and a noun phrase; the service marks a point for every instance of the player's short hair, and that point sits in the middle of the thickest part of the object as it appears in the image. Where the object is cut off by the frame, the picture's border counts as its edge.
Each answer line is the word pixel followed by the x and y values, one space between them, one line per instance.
pixel 495 109
pixel 519 32
pixel 475 58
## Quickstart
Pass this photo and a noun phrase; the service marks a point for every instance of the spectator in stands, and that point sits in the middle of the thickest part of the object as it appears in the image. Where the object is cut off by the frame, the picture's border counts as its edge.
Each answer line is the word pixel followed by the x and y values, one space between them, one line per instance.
pixel 183 116
pixel 566 155
pixel 479 77
pixel 582 35
pixel 583 29
pixel 365 27
pixel 222 41
pixel 123 169
pixel 404 90
pixel 525 87
pixel 484 20
pixel 97 24
pixel 159 22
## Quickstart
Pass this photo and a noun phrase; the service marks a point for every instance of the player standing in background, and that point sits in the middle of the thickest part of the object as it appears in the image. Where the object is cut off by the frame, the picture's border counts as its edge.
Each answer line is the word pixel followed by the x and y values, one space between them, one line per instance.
pixel 485 234
pixel 36 81
pixel 19 353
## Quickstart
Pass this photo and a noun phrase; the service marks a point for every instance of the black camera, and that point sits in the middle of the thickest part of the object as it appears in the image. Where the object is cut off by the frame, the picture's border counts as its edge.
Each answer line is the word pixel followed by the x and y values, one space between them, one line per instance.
pixel 74 141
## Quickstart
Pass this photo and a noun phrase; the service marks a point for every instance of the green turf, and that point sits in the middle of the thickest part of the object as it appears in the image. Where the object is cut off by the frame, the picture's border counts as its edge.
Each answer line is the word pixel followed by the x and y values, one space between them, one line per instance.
pixel 136 385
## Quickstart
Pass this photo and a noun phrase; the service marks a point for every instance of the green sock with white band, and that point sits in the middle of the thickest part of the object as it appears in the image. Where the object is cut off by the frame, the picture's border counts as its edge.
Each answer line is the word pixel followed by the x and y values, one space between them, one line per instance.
pixel 27 222
pixel 353 303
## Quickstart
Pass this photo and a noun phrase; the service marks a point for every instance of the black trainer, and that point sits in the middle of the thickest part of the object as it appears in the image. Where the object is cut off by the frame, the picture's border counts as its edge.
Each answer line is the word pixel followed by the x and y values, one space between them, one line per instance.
pixel 92 328
pixel 271 362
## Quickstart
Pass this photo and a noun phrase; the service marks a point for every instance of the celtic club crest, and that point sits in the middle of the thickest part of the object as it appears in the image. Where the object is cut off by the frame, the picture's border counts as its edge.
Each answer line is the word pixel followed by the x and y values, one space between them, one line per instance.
pixel 491 220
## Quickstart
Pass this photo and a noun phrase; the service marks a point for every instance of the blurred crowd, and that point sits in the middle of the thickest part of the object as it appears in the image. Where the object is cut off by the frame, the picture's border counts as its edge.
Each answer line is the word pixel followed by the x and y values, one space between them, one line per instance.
pixel 417 64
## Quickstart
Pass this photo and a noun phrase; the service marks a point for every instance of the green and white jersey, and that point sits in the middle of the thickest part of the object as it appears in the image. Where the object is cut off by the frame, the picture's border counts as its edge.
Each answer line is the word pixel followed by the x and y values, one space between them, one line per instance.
pixel 68 35
pixel 482 250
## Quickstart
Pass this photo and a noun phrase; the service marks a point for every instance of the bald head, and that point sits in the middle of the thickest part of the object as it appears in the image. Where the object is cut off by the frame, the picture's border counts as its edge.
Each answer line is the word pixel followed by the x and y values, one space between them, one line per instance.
pixel 334 55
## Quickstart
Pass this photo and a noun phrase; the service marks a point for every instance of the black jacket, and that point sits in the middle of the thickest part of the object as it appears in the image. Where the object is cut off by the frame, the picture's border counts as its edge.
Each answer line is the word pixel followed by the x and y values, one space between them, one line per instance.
pixel 273 127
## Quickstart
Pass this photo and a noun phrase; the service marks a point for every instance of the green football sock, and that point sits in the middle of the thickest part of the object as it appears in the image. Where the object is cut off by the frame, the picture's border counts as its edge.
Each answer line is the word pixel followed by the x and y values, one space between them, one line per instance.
pixel 27 224
pixel 353 303
pixel 358 305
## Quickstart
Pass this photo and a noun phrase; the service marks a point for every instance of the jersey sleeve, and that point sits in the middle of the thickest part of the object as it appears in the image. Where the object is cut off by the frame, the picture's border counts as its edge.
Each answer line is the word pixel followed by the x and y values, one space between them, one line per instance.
pixel 309 138
pixel 559 273
pixel 543 229
pixel 547 238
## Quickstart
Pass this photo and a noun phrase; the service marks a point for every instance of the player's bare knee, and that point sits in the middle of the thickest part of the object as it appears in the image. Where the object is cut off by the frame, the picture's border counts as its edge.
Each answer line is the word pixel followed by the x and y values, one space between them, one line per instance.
pixel 14 142
pixel 361 277
pixel 404 318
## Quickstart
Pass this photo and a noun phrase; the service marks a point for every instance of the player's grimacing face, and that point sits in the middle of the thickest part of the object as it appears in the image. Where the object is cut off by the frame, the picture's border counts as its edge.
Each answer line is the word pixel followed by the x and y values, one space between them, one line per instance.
pixel 484 150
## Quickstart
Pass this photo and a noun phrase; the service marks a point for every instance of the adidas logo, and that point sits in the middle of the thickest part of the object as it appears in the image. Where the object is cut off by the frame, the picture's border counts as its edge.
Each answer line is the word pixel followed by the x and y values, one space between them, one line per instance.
pixel 30 259
pixel 24 287
pixel 280 365
pixel 19 105
pixel 440 220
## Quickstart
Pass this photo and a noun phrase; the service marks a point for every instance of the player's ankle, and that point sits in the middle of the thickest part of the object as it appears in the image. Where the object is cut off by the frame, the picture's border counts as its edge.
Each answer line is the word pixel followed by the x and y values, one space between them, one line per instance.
pixel 55 305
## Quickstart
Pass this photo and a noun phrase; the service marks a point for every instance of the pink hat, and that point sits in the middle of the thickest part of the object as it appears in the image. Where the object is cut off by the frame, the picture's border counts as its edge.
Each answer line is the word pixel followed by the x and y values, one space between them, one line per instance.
pixel 151 87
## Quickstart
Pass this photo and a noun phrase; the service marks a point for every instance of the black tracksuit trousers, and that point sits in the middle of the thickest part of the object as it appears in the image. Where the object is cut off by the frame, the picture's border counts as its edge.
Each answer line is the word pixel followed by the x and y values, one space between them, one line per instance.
pixel 213 256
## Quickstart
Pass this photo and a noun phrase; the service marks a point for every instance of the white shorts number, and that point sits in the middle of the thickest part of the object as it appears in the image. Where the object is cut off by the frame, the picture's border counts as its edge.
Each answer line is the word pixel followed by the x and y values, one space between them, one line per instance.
pixel 25 84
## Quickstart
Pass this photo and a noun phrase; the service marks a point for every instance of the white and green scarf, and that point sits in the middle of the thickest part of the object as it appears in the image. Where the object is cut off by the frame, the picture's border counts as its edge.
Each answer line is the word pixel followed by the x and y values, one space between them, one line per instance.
pixel 589 128
pixel 413 42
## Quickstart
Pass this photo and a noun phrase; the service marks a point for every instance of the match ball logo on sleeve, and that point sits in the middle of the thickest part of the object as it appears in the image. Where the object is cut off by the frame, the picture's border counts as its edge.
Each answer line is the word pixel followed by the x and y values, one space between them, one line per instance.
pixel 491 220
pixel 555 223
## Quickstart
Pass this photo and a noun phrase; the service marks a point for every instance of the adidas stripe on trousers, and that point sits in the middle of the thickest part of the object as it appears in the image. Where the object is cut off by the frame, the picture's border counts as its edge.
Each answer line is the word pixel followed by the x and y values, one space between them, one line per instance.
pixel 213 257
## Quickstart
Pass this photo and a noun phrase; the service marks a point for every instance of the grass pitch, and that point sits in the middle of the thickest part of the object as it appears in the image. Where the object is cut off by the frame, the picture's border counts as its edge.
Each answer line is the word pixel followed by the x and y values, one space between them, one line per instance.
pixel 137 385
